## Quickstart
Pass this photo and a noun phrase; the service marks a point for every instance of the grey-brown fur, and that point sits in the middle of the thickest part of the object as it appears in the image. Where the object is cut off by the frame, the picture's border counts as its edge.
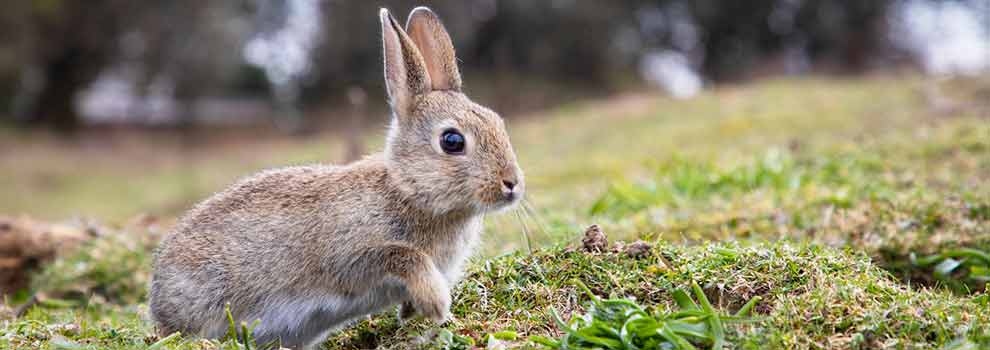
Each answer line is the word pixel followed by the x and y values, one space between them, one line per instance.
pixel 306 249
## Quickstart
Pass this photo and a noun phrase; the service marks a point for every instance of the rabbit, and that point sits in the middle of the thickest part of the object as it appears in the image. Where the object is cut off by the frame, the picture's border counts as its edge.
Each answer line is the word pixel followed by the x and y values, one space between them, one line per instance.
pixel 306 250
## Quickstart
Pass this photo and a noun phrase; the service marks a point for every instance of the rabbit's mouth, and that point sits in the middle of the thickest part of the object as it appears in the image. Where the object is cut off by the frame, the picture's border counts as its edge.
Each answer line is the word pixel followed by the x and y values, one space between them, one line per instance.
pixel 506 199
pixel 509 199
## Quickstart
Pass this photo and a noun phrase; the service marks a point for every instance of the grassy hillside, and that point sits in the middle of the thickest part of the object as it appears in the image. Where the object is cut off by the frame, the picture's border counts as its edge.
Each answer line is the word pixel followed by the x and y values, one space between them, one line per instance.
pixel 858 211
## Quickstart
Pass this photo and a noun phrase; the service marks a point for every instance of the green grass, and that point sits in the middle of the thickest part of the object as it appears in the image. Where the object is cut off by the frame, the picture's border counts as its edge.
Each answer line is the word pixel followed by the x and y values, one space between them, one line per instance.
pixel 803 304
pixel 851 209
pixel 961 269
pixel 623 324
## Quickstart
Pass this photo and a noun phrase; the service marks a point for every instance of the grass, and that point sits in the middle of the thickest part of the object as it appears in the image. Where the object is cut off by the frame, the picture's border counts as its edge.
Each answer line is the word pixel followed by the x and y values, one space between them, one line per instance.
pixel 853 210
pixel 622 324
pixel 961 269
pixel 803 304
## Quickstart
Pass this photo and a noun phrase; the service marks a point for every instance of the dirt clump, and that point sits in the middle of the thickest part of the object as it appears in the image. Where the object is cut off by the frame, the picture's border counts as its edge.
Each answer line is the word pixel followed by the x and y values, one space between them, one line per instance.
pixel 595 240
pixel 26 244
pixel 637 249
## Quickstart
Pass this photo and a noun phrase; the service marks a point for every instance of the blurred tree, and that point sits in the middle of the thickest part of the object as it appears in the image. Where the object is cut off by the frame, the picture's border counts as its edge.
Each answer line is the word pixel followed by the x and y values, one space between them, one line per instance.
pixel 50 50
pixel 847 33
pixel 65 44
pixel 597 43
pixel 194 46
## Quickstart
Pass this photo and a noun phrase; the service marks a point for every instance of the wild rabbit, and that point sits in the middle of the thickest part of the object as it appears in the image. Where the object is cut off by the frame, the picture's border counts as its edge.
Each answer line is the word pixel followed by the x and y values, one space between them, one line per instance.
pixel 307 249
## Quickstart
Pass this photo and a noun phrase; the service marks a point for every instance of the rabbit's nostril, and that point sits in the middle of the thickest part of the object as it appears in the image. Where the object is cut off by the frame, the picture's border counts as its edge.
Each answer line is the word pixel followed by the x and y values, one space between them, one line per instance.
pixel 509 184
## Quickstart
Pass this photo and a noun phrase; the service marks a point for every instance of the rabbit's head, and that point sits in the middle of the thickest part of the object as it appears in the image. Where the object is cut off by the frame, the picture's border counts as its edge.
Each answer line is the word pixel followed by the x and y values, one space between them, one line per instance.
pixel 444 151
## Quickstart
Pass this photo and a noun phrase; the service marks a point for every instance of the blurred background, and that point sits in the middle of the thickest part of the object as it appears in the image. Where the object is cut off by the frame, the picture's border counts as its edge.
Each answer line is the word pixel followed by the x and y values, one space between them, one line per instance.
pixel 295 64
pixel 110 108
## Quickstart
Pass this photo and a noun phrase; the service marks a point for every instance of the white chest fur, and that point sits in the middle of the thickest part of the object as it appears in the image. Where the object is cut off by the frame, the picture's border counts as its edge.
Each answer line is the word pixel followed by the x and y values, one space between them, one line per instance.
pixel 450 258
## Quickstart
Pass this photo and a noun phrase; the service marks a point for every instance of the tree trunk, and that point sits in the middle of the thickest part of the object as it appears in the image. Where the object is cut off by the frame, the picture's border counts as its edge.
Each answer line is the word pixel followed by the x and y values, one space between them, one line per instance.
pixel 64 76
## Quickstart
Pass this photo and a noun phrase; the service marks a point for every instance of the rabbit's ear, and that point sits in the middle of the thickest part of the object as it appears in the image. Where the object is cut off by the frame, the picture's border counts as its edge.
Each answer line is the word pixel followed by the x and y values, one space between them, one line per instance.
pixel 434 44
pixel 405 72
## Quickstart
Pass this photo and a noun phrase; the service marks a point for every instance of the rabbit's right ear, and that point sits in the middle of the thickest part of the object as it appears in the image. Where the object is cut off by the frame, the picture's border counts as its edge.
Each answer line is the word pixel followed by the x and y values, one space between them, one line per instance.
pixel 405 71
pixel 434 44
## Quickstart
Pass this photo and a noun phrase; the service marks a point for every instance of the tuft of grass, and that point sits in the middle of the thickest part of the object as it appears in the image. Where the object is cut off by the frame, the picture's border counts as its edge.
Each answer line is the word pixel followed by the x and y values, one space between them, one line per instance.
pixel 961 269
pixel 242 336
pixel 623 324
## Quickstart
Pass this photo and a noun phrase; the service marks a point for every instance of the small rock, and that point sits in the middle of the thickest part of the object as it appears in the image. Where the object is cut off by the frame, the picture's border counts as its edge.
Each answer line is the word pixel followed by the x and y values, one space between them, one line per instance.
pixel 638 249
pixel 594 240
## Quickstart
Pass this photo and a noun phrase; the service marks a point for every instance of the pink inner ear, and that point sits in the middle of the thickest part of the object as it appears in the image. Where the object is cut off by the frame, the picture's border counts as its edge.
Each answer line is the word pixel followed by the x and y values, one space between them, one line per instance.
pixel 427 47
pixel 437 49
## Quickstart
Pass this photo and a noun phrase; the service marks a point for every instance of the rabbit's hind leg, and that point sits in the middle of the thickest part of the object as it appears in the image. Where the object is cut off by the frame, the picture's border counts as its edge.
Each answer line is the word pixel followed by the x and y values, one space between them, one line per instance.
pixel 298 322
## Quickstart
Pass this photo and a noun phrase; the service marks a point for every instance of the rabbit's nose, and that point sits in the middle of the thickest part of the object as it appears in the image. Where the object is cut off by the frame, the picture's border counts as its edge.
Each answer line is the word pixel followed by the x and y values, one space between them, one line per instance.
pixel 509 184
pixel 512 183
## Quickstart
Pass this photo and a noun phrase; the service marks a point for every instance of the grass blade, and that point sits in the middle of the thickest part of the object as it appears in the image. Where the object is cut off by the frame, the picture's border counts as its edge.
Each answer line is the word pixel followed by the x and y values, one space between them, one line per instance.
pixel 748 307
pixel 161 342
pixel 678 341
pixel 525 229
pixel 683 300
pixel 718 334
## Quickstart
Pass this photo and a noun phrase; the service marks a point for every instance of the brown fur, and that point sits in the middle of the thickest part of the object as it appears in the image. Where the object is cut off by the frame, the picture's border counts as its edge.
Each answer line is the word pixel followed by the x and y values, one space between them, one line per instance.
pixel 392 228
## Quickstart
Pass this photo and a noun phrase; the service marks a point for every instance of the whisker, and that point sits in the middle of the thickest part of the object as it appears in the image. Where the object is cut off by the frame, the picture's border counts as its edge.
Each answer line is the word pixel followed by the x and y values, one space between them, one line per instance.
pixel 499 219
pixel 525 215
pixel 532 214
pixel 525 228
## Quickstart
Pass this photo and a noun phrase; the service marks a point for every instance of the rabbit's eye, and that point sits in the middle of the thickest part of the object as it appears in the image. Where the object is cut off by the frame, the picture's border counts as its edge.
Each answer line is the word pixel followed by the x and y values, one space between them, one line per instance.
pixel 452 142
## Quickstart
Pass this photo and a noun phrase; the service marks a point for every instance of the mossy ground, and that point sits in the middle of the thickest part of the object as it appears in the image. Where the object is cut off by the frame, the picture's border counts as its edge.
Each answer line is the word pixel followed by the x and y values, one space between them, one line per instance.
pixel 811 193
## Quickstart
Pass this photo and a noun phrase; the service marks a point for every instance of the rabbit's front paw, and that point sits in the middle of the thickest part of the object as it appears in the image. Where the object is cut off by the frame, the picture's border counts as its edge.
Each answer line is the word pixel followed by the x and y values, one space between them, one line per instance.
pixel 436 308
pixel 432 298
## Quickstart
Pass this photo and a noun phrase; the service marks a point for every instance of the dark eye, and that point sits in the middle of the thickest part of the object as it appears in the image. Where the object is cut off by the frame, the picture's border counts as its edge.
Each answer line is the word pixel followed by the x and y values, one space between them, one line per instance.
pixel 452 142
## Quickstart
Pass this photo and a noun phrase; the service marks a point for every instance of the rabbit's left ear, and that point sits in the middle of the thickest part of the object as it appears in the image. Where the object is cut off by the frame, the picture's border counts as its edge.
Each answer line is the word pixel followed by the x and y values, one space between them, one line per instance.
pixel 434 44
pixel 405 72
